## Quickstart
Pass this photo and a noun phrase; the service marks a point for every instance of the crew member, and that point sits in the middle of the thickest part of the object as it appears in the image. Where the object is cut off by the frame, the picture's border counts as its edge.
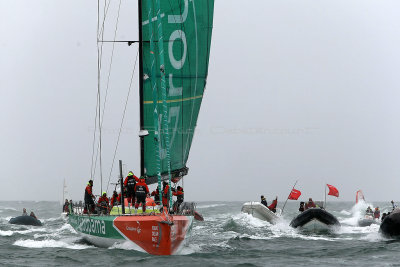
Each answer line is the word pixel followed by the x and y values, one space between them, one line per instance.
pixel 115 199
pixel 66 206
pixel 103 203
pixel 24 213
pixel 129 184
pixel 179 197
pixel 89 203
pixel 272 207
pixel 141 191
pixel 301 208
pixel 377 213
pixel 33 215
pixel 165 194
pixel 156 194
pixel 369 210
pixel 264 201
pixel 393 205
pixel 310 204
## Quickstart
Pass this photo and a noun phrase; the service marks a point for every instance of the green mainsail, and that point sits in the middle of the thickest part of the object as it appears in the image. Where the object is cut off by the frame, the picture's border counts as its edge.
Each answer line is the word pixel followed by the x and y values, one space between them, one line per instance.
pixel 186 28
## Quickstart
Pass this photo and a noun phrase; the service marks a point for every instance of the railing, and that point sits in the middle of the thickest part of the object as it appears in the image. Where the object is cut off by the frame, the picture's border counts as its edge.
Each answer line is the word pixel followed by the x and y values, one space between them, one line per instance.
pixel 185 208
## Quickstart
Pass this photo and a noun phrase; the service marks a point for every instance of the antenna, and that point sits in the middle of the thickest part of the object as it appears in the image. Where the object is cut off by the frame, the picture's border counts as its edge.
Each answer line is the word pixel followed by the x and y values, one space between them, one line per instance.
pixel 122 187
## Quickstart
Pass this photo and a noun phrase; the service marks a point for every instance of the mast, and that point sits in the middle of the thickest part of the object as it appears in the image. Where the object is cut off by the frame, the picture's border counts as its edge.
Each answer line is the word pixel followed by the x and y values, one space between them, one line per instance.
pixel 153 79
pixel 141 86
pixel 164 97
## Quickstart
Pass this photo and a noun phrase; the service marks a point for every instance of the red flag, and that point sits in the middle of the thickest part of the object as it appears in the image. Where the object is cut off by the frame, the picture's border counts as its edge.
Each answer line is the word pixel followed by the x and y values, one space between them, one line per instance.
pixel 295 194
pixel 333 190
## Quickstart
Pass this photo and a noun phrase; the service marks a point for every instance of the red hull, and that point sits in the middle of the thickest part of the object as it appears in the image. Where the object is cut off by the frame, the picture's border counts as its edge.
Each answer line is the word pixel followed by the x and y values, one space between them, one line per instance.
pixel 156 234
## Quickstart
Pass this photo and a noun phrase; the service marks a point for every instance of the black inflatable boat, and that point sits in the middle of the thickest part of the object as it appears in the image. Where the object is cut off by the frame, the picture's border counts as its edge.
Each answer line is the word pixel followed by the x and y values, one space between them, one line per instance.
pixel 390 225
pixel 315 219
pixel 25 220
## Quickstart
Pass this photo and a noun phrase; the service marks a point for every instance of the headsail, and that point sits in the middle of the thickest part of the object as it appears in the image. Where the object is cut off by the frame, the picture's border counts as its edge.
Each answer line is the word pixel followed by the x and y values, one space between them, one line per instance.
pixel 187 27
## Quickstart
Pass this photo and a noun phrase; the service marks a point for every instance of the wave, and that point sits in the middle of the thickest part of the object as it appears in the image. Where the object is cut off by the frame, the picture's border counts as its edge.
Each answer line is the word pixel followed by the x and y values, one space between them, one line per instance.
pixel 345 212
pixel 8 208
pixel 210 206
pixel 189 248
pixel 248 220
pixel 356 212
pixel 6 233
pixel 52 219
pixel 348 229
pixel 126 245
pixel 22 232
pixel 49 243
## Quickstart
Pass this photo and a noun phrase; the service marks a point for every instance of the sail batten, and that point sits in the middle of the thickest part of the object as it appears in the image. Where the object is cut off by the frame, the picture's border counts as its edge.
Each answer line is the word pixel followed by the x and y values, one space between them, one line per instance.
pixel 185 40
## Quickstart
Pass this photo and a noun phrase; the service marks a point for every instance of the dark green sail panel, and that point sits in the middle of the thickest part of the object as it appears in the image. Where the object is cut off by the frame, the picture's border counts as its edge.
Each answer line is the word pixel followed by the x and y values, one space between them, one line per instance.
pixel 187 28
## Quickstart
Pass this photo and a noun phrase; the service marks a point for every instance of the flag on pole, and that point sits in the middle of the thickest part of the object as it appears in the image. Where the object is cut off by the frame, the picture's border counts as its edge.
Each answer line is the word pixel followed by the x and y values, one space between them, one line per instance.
pixel 333 190
pixel 295 194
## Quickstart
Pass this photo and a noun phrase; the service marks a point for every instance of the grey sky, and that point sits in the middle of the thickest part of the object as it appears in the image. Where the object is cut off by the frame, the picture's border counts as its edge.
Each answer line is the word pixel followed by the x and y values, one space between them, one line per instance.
pixel 304 90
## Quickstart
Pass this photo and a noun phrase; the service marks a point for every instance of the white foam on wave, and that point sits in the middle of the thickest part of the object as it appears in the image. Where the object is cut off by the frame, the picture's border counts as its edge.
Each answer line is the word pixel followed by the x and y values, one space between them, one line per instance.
pixel 210 206
pixel 67 227
pixel 63 230
pixel 7 208
pixel 247 220
pixel 6 233
pixel 348 229
pixel 29 229
pixel 126 245
pixel 345 212
pixel 52 219
pixel 49 243
pixel 188 249
pixel 356 212
pixel 373 237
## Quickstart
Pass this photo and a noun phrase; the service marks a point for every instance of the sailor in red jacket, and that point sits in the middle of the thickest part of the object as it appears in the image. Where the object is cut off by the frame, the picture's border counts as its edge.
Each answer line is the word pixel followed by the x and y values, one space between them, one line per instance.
pixel 129 184
pixel 103 203
pixel 141 192
pixel 115 199
pixel 89 203
pixel 165 194
pixel 156 194
pixel 179 197
pixel 310 204
pixel 272 207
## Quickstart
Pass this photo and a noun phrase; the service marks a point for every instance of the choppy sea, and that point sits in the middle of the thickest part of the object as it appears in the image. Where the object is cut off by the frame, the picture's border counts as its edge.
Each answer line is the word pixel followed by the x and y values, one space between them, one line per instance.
pixel 227 237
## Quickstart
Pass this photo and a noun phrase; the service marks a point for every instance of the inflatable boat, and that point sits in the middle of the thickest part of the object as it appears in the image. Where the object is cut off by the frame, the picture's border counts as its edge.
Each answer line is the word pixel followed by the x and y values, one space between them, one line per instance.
pixel 390 225
pixel 258 210
pixel 315 219
pixel 25 220
pixel 367 220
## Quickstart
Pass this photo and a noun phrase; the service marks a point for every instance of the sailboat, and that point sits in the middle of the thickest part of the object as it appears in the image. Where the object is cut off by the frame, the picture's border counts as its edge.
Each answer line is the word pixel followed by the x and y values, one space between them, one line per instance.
pixel 174 48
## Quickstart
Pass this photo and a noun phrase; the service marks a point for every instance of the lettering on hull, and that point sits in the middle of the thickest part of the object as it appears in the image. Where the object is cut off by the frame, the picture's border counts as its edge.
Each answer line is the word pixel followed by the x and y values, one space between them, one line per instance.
pixel 89 226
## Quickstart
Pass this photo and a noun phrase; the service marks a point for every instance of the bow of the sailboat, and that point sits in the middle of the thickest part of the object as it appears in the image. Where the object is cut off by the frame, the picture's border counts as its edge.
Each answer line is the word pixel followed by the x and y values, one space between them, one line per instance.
pixel 157 235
